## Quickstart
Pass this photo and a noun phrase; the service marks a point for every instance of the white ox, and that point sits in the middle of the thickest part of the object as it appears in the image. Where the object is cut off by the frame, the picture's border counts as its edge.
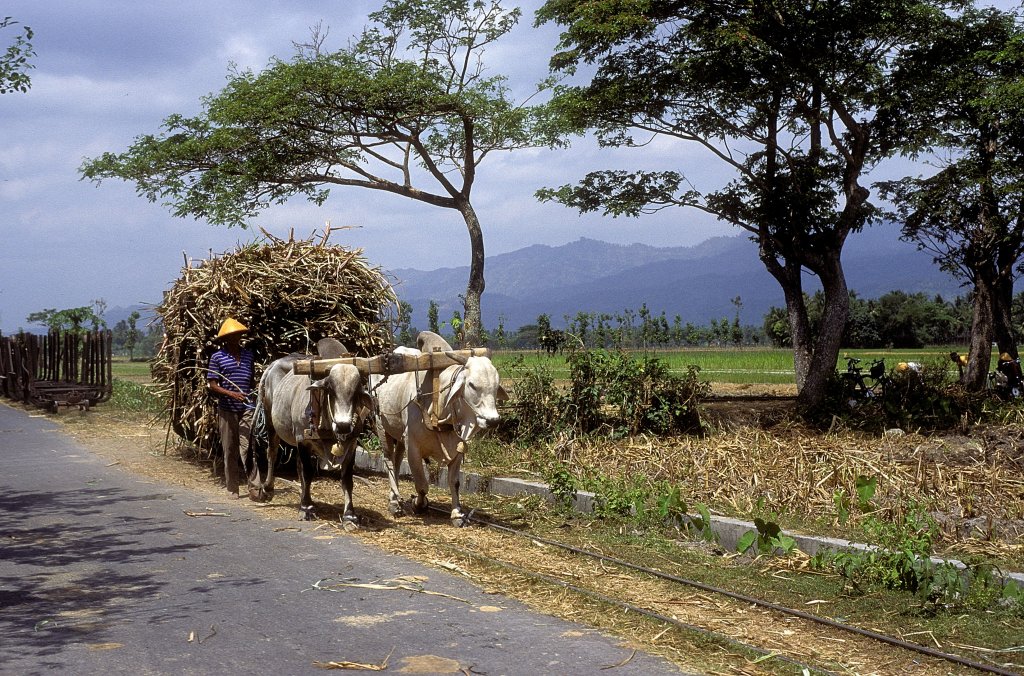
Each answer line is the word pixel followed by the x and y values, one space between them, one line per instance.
pixel 469 395
pixel 286 401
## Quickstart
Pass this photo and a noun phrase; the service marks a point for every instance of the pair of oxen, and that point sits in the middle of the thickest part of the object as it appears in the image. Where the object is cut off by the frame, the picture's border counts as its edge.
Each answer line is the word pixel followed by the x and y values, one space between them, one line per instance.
pixel 323 419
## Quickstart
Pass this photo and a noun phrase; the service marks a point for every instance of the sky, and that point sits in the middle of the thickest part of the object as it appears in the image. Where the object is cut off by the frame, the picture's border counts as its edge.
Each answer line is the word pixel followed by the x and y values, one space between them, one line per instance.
pixel 107 71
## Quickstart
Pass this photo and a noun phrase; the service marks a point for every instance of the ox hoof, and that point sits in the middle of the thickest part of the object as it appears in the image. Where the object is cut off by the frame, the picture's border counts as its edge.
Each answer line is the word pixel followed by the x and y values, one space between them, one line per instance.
pixel 350 523
pixel 395 508
pixel 460 520
pixel 307 513
pixel 421 507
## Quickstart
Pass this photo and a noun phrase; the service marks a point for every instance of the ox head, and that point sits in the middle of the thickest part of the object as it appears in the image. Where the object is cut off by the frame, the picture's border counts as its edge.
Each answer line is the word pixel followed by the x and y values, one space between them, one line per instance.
pixel 346 402
pixel 473 397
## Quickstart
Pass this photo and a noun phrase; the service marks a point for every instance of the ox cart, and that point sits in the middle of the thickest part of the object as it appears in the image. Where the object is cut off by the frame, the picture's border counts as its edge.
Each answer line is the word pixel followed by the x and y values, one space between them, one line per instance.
pixel 58 370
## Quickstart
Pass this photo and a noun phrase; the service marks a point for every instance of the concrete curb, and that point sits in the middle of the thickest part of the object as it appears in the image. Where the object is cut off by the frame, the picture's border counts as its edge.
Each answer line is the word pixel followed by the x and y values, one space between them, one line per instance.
pixel 727 530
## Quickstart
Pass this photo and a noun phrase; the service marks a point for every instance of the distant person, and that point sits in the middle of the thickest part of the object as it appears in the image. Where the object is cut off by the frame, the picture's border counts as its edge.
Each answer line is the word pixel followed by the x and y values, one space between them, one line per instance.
pixel 230 377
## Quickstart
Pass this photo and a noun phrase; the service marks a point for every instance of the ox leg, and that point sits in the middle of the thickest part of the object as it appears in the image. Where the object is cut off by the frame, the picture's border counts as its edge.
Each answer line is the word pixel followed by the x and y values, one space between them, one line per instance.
pixel 349 519
pixel 394 451
pixel 454 471
pixel 307 466
pixel 265 491
pixel 419 478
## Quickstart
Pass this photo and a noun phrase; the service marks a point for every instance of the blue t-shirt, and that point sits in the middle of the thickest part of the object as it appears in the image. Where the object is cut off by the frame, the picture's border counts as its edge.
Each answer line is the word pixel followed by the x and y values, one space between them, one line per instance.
pixel 232 374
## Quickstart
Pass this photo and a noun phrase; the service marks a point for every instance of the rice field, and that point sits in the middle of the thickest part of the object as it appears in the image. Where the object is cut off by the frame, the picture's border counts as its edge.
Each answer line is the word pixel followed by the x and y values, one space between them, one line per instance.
pixel 743 365
pixel 723 365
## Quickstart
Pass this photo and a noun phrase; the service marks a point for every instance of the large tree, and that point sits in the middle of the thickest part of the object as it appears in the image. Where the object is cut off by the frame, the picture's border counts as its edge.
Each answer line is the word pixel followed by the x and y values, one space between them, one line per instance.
pixel 784 93
pixel 406 109
pixel 14 62
pixel 963 96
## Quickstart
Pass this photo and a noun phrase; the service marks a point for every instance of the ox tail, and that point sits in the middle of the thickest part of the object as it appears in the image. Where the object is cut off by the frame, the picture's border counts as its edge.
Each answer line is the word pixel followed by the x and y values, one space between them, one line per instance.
pixel 259 441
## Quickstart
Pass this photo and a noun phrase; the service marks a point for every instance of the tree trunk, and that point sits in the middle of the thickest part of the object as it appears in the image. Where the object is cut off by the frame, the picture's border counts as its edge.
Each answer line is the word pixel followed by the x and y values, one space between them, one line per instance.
pixel 472 318
pixel 799 327
pixel 814 357
pixel 1002 316
pixel 825 348
pixel 980 354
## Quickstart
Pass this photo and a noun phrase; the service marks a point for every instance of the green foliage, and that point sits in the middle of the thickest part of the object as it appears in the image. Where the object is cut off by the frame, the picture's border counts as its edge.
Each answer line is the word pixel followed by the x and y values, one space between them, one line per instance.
pixel 902 561
pixel 405 333
pixel 896 320
pixel 842 505
pixel 533 411
pixel 615 393
pixel 14 61
pixel 406 108
pixel 561 483
pixel 701 523
pixel 642 393
pixel 433 321
pixel 766 539
pixel 619 497
pixel 866 487
pixel 961 96
pixel 73 319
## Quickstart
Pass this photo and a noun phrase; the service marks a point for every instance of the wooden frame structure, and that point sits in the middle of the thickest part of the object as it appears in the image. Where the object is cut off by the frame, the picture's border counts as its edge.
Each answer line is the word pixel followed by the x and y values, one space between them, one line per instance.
pixel 391 363
pixel 60 369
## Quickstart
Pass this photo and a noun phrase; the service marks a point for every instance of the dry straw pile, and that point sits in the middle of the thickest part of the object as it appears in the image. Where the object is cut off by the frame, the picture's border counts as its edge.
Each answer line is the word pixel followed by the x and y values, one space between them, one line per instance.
pixel 290 293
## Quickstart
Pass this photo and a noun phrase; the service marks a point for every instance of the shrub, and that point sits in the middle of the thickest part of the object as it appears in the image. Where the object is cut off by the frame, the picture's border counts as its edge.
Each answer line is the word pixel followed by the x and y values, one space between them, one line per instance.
pixel 924 399
pixel 631 395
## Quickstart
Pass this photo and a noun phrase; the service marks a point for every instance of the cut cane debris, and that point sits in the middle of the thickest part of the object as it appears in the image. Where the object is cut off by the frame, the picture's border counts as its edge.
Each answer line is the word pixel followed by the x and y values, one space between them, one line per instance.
pixel 408 584
pixel 356 666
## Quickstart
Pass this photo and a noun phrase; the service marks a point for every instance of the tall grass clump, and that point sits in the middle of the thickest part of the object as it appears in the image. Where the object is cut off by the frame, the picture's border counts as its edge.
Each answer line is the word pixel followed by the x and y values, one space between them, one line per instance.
pixel 136 398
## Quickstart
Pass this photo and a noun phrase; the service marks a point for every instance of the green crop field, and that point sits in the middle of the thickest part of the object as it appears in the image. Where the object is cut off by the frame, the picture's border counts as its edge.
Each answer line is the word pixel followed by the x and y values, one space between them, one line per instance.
pixel 724 365
pixel 743 365
pixel 133 371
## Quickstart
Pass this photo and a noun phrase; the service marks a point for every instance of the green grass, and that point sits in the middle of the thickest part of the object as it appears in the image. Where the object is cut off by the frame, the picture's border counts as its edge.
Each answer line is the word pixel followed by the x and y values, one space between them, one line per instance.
pixel 132 371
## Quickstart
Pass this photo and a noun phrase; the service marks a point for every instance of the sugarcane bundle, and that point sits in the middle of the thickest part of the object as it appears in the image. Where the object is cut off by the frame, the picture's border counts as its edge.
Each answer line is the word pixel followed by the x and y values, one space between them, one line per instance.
pixel 289 293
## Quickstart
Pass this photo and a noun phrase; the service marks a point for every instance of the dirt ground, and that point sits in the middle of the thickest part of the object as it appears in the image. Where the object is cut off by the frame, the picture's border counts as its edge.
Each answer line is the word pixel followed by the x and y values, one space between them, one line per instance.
pixel 491 559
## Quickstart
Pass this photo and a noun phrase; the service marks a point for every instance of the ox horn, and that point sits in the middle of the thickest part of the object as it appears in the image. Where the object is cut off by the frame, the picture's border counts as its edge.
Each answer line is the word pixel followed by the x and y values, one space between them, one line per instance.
pixel 455 356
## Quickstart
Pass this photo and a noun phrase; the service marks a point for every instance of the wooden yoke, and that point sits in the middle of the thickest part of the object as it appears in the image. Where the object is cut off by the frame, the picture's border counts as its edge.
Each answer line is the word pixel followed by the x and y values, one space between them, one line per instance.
pixel 386 364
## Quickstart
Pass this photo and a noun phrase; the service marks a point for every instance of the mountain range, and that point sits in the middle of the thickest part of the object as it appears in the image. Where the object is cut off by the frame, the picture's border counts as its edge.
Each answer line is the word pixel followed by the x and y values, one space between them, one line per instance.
pixel 697 283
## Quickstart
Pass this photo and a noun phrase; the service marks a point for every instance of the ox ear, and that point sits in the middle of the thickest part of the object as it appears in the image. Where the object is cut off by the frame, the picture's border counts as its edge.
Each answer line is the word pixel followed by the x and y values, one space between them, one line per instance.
pixel 456 388
pixel 364 404
pixel 501 394
pixel 318 385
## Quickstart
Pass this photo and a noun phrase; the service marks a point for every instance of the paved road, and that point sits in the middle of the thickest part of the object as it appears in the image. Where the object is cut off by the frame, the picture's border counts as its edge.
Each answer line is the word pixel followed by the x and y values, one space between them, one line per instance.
pixel 102 572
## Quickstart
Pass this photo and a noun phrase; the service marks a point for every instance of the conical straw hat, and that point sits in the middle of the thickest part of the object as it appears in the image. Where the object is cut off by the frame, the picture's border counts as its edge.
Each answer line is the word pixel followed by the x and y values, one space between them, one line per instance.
pixel 230 326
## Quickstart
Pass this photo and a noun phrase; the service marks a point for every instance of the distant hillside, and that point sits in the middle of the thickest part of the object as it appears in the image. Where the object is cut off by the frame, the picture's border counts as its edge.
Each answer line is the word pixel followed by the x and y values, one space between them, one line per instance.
pixel 697 283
